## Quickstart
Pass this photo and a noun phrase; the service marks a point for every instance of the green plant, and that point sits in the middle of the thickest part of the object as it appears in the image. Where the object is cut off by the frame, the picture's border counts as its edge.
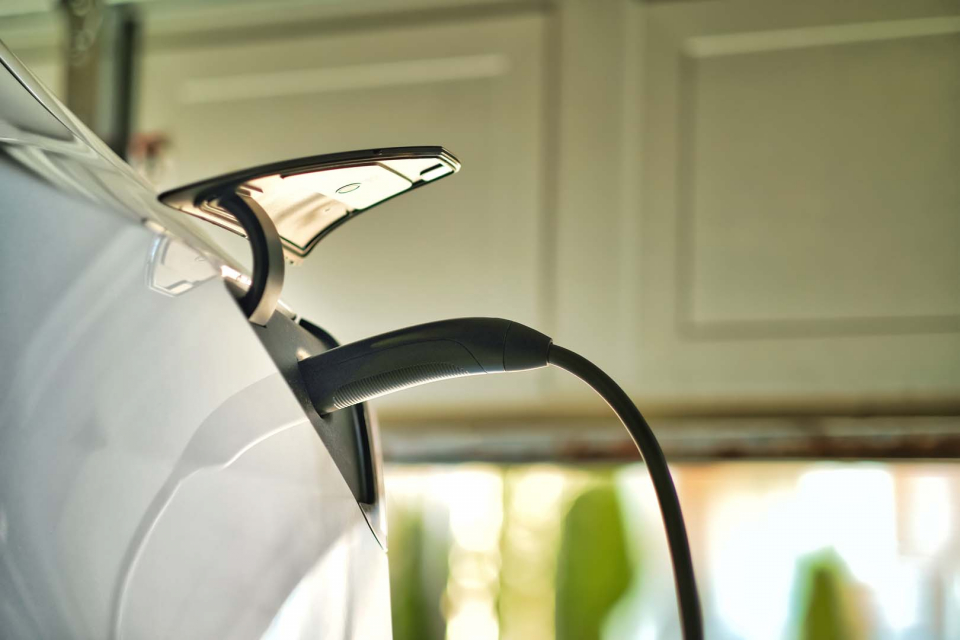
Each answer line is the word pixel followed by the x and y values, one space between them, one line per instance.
pixel 593 567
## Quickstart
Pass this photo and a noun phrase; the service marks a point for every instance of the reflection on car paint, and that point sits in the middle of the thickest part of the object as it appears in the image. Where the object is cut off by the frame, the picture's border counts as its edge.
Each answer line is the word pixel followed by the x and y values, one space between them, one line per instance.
pixel 174 268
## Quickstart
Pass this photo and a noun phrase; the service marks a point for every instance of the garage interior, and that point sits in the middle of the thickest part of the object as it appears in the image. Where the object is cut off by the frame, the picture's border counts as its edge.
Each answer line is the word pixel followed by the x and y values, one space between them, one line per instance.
pixel 746 211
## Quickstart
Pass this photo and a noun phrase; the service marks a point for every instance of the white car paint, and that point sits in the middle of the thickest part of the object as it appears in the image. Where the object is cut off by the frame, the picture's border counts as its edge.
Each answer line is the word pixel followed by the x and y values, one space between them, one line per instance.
pixel 158 478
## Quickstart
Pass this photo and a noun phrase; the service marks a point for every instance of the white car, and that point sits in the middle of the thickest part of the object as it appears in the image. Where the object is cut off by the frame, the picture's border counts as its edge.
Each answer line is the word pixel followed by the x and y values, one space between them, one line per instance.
pixel 162 470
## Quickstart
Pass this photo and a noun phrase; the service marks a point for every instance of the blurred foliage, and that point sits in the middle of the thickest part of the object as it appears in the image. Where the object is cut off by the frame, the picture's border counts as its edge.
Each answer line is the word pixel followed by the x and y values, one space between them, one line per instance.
pixel 593 567
pixel 414 608
pixel 828 599
pixel 530 539
pixel 406 533
pixel 569 573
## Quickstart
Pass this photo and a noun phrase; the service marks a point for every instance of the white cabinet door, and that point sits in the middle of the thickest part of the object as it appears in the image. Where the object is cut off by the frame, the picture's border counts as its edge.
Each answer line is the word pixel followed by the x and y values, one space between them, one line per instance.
pixel 790 208
pixel 470 245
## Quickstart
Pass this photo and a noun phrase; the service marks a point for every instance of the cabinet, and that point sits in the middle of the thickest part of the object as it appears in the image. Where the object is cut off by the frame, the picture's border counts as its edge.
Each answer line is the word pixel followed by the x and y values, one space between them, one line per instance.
pixel 787 223
pixel 736 207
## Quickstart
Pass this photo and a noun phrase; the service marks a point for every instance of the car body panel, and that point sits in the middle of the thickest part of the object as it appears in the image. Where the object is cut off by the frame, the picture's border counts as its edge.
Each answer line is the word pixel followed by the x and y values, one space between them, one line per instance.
pixel 158 477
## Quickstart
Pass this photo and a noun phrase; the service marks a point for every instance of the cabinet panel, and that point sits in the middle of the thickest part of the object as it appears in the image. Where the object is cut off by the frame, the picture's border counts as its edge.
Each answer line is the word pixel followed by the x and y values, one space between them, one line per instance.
pixel 789 211
pixel 819 182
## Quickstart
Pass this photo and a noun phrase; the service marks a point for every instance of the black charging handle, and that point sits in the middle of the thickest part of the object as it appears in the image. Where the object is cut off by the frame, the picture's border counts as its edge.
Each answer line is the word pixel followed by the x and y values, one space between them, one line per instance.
pixel 369 368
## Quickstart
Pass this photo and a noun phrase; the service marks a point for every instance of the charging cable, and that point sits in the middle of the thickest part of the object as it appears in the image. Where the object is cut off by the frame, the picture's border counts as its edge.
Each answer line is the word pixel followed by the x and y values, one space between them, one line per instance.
pixel 383 364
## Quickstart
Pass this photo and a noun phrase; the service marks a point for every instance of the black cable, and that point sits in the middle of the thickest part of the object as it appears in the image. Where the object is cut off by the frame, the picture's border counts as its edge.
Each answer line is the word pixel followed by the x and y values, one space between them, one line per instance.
pixel 369 368
pixel 688 600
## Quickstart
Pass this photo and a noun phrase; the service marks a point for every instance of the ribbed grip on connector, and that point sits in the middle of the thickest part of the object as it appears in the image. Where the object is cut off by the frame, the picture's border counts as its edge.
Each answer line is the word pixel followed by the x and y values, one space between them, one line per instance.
pixel 393 361
pixel 379 385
